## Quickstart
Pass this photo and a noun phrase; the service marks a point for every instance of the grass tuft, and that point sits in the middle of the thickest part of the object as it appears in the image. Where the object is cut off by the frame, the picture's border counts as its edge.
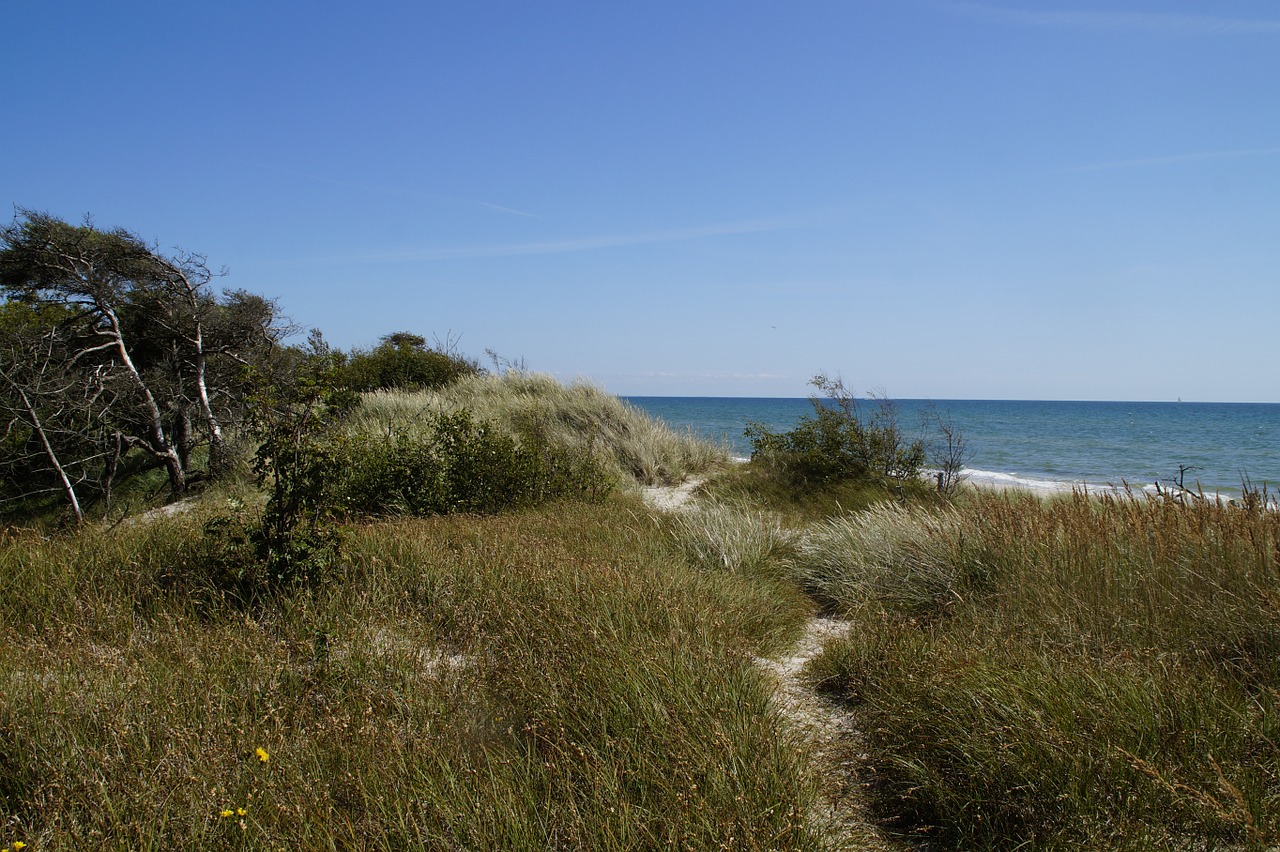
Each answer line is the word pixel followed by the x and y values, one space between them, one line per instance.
pixel 734 538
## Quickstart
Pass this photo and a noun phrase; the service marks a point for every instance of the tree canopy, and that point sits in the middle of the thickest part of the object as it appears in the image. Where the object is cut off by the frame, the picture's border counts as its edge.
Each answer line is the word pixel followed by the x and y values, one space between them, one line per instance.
pixel 120 345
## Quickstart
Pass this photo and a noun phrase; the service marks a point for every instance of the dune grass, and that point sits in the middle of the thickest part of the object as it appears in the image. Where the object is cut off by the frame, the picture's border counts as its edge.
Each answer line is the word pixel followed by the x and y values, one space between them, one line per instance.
pixel 542 679
pixel 1077 673
pixel 1099 674
pixel 758 485
pixel 733 537
pixel 634 447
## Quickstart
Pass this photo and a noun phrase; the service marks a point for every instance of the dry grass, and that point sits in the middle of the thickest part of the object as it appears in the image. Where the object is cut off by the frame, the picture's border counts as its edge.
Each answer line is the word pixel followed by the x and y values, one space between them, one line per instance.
pixel 543 679
pixel 634 446
pixel 1104 673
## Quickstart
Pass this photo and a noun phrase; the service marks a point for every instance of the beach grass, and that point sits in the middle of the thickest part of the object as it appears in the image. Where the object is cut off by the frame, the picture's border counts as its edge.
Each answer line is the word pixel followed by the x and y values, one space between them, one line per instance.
pixel 541 679
pixel 1084 672
pixel 579 415
pixel 1076 672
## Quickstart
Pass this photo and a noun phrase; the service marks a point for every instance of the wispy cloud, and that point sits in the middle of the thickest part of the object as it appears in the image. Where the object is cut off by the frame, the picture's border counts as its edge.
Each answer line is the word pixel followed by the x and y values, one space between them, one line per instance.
pixel 409 192
pixel 1174 159
pixel 500 208
pixel 1157 23
pixel 577 244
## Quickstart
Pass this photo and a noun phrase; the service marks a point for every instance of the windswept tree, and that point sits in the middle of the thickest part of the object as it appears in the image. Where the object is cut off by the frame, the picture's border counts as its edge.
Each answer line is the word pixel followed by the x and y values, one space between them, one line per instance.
pixel 52 434
pixel 144 325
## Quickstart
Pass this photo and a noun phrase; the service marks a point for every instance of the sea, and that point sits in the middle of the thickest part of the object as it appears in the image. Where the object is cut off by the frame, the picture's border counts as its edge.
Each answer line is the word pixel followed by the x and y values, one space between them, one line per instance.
pixel 1045 446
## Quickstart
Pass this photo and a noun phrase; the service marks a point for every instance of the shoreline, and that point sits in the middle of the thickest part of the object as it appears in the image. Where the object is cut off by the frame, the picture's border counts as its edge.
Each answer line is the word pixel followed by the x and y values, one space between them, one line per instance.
pixel 1045 487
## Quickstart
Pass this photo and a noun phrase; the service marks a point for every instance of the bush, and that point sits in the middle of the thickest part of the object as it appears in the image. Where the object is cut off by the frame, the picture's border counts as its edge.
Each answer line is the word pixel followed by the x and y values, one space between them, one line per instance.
pixel 246 561
pixel 838 442
pixel 404 361
pixel 451 462
pixel 295 542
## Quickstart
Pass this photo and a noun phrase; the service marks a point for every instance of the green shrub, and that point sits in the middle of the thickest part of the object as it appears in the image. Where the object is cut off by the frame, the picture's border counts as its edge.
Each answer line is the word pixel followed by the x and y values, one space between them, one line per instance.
pixel 294 543
pixel 450 462
pixel 244 561
pixel 404 361
pixel 838 442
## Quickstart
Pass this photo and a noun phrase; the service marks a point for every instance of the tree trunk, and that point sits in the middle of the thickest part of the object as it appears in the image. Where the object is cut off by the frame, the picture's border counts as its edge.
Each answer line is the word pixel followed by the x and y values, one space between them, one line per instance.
pixel 114 450
pixel 217 446
pixel 68 489
pixel 158 445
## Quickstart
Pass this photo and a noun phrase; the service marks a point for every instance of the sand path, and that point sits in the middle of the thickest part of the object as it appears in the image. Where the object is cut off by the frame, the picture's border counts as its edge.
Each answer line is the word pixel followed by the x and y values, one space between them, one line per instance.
pixel 829 731
pixel 831 734
pixel 672 498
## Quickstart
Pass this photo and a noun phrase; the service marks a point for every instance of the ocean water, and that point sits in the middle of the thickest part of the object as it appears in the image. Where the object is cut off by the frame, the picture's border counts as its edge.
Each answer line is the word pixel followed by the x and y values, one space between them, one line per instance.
pixel 1047 446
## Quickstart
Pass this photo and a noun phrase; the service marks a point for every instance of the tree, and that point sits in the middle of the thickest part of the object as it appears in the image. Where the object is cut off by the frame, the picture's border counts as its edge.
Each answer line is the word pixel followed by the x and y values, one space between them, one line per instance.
pixel 143 324
pixel 52 429
pixel 948 452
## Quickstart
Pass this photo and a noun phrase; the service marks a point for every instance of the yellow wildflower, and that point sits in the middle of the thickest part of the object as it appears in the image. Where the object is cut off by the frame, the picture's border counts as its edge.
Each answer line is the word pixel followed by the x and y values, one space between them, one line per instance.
pixel 228 813
pixel 18 846
pixel 262 754
pixel 241 811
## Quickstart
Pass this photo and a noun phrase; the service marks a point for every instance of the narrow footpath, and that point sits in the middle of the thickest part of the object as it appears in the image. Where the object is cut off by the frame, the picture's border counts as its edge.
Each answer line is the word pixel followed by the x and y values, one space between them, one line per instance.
pixel 829 731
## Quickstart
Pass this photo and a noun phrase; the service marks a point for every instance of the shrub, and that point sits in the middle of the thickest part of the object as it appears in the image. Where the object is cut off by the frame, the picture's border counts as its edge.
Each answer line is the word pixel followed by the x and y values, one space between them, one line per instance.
pixel 247 560
pixel 838 442
pixel 450 462
pixel 294 543
pixel 404 361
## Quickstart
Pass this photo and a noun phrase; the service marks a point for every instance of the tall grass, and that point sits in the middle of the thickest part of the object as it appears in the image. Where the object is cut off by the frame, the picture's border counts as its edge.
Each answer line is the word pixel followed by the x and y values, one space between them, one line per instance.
pixel 1094 673
pixel 548 678
pixel 912 561
pixel 579 415
pixel 734 537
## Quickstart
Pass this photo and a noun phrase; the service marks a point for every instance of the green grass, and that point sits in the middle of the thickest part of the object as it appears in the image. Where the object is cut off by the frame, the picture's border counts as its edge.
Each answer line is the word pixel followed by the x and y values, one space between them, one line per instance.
pixel 544 679
pixel 1075 673
pixel 1078 673
pixel 734 538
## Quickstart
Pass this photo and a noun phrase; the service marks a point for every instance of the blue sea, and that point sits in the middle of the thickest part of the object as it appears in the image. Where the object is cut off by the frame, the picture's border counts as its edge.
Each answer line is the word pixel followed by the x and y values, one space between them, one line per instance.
pixel 1046 446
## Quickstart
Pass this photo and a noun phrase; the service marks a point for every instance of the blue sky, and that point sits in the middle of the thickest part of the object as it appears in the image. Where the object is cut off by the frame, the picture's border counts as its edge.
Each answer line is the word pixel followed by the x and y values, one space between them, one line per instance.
pixel 938 198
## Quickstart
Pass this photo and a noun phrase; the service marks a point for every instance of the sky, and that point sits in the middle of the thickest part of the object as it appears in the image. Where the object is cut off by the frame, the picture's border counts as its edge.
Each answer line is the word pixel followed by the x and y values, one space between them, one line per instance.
pixel 1014 199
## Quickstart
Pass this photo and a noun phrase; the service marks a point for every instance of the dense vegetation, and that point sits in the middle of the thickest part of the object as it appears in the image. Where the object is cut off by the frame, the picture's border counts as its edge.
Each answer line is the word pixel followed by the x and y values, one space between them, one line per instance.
pixel 420 606
pixel 1078 673
pixel 403 361
pixel 545 678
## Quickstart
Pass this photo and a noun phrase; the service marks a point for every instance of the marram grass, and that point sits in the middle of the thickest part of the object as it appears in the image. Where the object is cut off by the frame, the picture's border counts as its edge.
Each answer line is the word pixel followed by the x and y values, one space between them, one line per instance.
pixel 632 445
pixel 542 679
pixel 1067 674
